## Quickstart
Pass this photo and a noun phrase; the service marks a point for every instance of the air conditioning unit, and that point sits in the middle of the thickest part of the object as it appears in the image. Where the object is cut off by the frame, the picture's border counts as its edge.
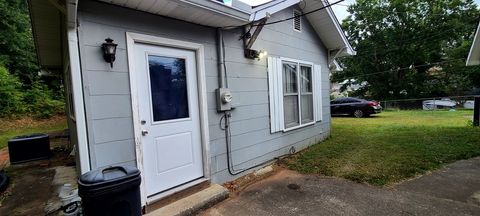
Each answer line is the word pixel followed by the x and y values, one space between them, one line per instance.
pixel 28 148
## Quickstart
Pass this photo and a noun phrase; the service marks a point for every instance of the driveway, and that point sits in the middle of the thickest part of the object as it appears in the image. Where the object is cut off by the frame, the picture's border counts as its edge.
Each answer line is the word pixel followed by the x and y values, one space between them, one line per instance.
pixel 453 190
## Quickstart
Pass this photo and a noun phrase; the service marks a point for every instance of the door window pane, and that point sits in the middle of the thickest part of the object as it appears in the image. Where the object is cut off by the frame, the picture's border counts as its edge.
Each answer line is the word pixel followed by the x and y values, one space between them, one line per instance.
pixel 290 110
pixel 168 85
pixel 289 78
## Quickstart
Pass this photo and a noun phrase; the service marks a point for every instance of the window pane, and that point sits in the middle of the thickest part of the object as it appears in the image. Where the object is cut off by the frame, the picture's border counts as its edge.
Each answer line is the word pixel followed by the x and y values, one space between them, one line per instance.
pixel 306 78
pixel 168 84
pixel 307 108
pixel 289 78
pixel 290 111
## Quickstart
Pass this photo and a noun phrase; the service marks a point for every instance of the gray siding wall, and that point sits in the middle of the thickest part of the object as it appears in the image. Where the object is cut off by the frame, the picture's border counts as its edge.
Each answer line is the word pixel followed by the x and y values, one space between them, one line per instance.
pixel 107 90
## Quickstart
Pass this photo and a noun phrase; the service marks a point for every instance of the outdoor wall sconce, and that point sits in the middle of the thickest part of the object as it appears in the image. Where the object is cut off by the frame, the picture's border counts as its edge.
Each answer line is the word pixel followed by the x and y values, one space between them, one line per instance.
pixel 254 54
pixel 109 49
pixel 251 54
pixel 262 54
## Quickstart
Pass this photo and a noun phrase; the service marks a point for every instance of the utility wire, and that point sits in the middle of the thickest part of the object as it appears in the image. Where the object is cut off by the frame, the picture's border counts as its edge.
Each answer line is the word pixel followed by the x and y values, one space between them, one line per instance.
pixel 405 68
pixel 426 39
pixel 303 14
pixel 398 12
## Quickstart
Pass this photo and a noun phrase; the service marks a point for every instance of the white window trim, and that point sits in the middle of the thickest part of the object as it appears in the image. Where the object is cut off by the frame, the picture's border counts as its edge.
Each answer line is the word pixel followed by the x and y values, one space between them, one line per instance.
pixel 299 63
pixel 276 96
pixel 300 20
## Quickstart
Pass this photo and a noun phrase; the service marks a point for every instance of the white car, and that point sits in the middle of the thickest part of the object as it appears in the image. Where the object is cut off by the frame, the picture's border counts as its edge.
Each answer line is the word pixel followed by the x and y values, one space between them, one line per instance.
pixel 439 104
pixel 469 104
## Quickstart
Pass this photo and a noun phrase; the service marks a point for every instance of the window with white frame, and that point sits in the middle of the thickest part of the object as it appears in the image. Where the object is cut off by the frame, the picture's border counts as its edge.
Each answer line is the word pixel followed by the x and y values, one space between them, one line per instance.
pixel 294 93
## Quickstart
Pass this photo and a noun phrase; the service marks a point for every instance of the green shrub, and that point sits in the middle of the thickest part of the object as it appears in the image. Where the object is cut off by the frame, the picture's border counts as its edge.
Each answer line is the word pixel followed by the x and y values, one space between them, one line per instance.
pixel 41 103
pixel 11 95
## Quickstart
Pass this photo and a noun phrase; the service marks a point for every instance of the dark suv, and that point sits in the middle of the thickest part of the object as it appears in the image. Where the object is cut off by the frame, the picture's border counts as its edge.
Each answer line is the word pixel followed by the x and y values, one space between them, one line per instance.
pixel 355 107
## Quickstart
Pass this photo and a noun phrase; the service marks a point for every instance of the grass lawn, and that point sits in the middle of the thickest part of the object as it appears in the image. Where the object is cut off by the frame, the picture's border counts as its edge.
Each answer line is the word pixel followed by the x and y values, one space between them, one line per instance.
pixel 14 127
pixel 391 146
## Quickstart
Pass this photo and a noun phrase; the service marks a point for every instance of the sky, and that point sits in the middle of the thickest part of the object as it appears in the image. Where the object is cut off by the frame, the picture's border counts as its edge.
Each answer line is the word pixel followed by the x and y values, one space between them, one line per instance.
pixel 340 9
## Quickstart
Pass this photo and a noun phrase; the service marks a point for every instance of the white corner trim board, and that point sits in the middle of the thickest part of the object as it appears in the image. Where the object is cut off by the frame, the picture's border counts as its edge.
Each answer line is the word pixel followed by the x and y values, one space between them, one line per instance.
pixel 77 92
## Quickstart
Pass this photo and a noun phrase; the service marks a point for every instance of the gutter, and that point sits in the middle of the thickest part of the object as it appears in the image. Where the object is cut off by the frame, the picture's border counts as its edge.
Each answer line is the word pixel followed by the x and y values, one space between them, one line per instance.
pixel 241 15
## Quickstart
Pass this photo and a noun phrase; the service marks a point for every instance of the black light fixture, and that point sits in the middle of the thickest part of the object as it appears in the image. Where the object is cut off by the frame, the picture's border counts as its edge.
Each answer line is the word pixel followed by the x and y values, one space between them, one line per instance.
pixel 255 54
pixel 109 49
pixel 251 54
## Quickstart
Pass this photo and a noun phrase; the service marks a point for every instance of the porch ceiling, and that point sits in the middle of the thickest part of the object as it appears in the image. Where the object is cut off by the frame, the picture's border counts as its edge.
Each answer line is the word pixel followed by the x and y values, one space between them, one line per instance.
pixel 46 27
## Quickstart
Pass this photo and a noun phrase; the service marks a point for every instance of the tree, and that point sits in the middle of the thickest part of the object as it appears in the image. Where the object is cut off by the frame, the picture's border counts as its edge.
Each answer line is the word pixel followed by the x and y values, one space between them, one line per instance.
pixel 11 97
pixel 17 51
pixel 410 48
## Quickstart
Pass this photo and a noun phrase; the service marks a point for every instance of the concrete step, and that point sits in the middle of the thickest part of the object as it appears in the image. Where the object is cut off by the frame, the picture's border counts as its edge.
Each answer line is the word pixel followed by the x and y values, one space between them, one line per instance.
pixel 193 203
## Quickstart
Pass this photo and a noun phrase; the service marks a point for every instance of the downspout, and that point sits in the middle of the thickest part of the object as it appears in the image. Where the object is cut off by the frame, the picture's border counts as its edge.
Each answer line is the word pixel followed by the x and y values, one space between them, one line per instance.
pixel 221 59
pixel 223 83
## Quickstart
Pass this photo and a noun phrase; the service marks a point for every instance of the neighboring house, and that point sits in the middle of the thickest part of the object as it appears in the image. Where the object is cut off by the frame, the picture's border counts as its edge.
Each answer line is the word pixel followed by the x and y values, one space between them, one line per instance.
pixel 336 88
pixel 156 106
pixel 474 55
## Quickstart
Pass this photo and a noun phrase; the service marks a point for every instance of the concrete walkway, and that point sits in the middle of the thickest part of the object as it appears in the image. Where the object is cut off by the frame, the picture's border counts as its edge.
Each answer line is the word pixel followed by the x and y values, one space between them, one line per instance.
pixel 453 190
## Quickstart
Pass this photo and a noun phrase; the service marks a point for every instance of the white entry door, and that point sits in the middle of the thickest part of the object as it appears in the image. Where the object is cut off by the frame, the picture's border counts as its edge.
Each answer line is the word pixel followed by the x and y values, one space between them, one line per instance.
pixel 169 116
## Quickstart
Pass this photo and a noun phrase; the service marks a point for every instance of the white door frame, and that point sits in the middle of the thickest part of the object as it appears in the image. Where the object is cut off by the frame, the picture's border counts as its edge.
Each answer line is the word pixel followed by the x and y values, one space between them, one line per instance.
pixel 202 99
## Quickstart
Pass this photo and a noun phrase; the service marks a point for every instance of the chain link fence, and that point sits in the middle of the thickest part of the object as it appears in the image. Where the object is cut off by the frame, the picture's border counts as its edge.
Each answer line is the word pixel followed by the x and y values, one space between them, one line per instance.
pixel 431 104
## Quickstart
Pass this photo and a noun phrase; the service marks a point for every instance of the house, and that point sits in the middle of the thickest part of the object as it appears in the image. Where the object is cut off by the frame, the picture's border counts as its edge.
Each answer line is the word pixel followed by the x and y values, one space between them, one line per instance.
pixel 474 54
pixel 336 88
pixel 190 91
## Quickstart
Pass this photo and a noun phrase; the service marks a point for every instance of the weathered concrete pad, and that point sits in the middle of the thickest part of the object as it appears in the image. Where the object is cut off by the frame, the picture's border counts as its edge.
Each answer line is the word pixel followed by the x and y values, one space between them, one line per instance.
pixel 28 191
pixel 290 193
pixel 193 203
pixel 459 181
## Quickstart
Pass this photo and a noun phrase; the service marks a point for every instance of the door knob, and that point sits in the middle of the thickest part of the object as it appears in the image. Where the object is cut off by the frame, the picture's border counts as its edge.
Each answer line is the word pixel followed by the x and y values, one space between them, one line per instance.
pixel 144 132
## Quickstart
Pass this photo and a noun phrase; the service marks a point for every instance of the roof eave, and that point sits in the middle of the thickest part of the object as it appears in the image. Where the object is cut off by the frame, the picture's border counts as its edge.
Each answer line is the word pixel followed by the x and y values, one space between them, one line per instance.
pixel 348 51
pixel 277 5
pixel 474 54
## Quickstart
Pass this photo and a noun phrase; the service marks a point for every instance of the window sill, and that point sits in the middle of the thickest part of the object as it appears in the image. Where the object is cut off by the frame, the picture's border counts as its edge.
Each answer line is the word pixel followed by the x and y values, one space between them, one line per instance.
pixel 298 127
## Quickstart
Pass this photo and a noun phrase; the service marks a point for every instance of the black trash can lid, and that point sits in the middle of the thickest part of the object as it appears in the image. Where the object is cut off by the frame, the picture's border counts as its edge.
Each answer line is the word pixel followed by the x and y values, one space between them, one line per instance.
pixel 108 175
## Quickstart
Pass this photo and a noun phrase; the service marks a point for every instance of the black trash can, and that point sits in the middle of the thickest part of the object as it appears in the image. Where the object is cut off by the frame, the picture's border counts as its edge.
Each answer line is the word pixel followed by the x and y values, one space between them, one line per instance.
pixel 111 191
pixel 28 148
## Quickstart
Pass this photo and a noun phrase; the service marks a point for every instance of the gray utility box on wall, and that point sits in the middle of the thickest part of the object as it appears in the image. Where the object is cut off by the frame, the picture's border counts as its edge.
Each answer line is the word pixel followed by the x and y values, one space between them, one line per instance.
pixel 224 99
